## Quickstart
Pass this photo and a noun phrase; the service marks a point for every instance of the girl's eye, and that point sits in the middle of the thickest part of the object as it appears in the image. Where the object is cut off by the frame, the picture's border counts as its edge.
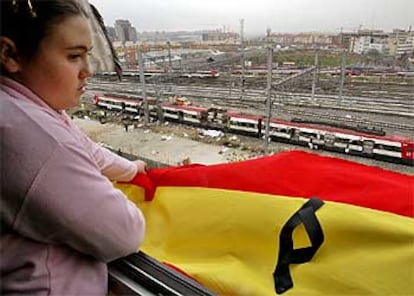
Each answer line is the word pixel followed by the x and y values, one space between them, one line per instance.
pixel 74 56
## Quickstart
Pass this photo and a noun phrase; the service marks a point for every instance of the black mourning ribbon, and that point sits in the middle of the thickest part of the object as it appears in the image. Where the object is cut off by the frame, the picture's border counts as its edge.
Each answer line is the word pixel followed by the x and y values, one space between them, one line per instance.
pixel 288 255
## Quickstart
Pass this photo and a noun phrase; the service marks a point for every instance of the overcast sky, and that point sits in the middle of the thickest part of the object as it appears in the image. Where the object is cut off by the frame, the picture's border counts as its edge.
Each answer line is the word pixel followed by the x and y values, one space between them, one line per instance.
pixel 278 15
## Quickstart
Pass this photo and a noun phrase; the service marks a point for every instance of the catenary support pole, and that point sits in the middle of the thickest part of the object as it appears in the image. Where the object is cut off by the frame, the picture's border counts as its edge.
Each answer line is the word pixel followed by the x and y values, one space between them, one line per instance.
pixel 269 87
pixel 143 87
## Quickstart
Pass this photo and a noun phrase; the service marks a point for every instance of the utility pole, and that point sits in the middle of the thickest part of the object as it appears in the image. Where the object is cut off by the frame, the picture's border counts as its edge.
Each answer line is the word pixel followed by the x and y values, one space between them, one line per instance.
pixel 169 55
pixel 231 81
pixel 315 75
pixel 269 87
pixel 242 58
pixel 142 80
pixel 341 86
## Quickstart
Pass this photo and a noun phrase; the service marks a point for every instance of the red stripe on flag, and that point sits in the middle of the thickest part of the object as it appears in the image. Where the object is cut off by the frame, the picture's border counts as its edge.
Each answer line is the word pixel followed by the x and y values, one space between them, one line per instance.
pixel 299 174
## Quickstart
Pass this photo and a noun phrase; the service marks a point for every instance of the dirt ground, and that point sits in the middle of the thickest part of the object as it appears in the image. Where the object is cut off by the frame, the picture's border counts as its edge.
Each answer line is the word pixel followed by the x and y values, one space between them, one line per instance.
pixel 174 144
pixel 163 145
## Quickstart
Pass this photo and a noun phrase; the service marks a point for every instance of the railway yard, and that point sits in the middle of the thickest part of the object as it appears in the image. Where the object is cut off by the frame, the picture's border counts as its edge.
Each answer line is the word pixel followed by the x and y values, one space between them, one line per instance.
pixel 377 103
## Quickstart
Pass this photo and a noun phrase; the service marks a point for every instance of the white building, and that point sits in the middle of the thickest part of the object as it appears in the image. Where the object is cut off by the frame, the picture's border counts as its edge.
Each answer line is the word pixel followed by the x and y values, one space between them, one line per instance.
pixel 380 47
pixel 406 46
pixel 402 42
pixel 366 40
pixel 361 44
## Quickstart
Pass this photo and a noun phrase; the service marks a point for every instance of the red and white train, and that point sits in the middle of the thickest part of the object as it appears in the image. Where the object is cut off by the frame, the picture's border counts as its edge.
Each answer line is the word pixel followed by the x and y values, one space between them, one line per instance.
pixel 388 148
pixel 160 72
pixel 201 74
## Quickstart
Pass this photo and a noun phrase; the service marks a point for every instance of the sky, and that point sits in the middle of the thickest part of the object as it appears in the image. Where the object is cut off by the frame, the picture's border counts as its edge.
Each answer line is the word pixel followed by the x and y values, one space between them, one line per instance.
pixel 258 15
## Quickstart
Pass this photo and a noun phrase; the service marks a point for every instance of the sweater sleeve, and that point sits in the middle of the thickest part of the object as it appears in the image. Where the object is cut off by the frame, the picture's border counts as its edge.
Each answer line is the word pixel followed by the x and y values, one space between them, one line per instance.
pixel 71 203
pixel 112 166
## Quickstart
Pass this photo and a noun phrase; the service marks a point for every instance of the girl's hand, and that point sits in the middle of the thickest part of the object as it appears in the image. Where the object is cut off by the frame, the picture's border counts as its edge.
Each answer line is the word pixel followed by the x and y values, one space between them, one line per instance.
pixel 141 165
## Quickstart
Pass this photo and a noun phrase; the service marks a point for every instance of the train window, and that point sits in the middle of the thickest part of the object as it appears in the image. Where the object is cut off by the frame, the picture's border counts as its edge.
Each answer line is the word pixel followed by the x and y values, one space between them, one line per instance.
pixel 340 140
pixel 329 139
pixel 368 147
pixel 306 134
pixel 387 147
pixel 356 142
pixel 170 111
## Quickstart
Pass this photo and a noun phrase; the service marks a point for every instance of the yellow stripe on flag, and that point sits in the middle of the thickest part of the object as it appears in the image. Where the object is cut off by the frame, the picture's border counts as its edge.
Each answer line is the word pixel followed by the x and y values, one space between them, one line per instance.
pixel 229 241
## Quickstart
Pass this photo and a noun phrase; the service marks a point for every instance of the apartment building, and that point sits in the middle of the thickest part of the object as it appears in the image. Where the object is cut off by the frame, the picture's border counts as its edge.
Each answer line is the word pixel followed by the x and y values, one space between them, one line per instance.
pixel 125 31
pixel 395 43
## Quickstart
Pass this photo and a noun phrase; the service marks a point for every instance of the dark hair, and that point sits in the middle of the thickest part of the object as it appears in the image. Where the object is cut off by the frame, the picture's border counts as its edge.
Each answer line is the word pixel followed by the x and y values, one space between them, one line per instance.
pixel 27 22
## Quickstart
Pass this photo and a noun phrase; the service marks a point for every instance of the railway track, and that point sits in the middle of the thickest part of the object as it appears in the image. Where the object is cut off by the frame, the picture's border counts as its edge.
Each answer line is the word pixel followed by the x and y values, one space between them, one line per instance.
pixel 363 122
pixel 255 98
pixel 284 108
pixel 395 87
pixel 400 106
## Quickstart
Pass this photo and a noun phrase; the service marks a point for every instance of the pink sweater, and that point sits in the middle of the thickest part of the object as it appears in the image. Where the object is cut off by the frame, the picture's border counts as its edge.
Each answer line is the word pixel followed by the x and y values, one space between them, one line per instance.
pixel 61 218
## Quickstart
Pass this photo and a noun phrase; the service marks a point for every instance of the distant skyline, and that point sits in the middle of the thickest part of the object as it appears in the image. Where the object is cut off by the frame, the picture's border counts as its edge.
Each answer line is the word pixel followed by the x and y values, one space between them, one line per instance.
pixel 280 16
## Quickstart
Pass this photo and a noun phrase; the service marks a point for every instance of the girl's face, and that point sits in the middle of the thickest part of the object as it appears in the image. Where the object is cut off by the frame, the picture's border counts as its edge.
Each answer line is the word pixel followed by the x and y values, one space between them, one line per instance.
pixel 58 72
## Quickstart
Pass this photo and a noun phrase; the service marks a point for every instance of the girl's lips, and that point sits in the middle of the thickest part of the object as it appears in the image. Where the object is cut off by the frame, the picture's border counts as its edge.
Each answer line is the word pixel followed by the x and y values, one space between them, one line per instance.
pixel 82 90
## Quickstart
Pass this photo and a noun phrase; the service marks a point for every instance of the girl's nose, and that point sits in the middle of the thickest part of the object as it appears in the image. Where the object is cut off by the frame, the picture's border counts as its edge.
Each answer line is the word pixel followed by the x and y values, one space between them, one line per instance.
pixel 86 70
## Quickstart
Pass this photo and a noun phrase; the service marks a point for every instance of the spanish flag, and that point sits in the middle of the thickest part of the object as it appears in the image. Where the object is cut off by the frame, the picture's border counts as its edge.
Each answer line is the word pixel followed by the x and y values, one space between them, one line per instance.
pixel 294 223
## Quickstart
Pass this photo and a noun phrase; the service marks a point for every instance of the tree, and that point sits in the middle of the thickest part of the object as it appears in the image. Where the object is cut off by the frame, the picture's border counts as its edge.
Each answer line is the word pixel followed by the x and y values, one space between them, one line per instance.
pixel 373 56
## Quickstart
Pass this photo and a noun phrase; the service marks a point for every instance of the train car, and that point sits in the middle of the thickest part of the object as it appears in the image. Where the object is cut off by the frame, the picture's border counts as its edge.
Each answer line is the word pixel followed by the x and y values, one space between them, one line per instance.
pixel 214 74
pixel 246 124
pixel 182 113
pixel 133 105
pixel 405 73
pixel 117 104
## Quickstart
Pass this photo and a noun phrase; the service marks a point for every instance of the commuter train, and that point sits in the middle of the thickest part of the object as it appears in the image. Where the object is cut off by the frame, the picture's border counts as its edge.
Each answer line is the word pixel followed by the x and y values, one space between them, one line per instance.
pixel 160 72
pixel 387 148
pixel 201 74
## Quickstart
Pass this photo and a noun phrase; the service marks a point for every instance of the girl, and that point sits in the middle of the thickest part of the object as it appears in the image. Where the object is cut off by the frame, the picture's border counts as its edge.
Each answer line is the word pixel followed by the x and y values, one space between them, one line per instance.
pixel 61 218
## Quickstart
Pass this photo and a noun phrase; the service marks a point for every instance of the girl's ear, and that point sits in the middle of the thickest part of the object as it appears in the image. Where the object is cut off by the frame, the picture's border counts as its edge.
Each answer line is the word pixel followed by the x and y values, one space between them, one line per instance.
pixel 8 55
